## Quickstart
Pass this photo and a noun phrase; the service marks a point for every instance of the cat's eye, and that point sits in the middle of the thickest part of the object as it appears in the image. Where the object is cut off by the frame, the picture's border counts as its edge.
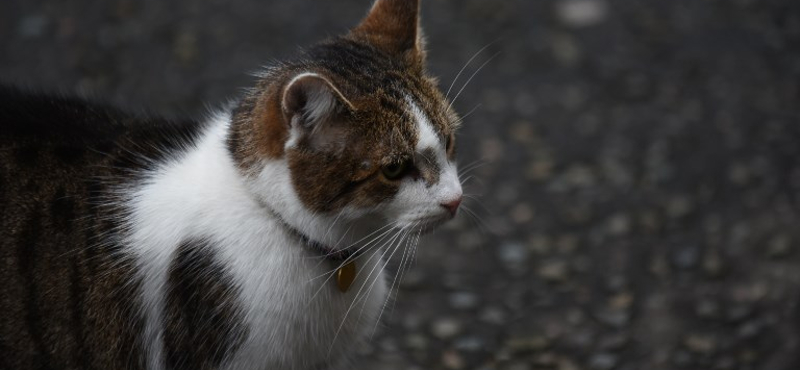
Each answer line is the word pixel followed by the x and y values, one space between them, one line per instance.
pixel 395 170
pixel 448 145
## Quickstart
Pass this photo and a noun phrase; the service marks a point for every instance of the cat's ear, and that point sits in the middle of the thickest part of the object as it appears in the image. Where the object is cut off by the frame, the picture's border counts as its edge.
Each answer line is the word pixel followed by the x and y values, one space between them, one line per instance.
pixel 313 106
pixel 393 26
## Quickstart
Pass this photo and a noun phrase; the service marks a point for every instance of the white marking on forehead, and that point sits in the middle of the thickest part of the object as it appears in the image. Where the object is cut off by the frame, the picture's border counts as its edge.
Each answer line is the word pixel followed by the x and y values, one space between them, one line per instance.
pixel 427 136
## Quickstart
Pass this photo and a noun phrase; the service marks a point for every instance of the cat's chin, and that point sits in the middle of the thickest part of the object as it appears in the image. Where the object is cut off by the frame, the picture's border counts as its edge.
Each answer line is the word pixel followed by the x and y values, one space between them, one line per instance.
pixel 427 224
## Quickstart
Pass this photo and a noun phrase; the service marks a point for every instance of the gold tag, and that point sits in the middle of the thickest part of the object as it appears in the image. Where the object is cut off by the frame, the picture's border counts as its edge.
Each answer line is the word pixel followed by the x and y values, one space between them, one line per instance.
pixel 345 276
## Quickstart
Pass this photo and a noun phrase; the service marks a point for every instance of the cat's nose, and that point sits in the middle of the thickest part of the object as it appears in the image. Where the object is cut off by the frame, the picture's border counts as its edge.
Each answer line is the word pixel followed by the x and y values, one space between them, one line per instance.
pixel 452 206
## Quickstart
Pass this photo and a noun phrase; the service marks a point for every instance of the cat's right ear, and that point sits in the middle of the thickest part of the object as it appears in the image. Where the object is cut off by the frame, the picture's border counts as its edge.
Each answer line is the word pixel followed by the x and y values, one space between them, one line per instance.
pixel 312 105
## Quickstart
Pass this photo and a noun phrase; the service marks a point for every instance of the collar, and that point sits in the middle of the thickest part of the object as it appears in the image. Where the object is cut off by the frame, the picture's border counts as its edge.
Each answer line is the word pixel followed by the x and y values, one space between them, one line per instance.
pixel 345 259
pixel 324 250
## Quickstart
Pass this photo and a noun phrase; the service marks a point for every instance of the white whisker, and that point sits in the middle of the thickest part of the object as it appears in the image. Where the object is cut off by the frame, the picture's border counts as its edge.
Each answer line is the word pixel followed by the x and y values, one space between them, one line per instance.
pixel 471 167
pixel 473 76
pixel 394 281
pixel 463 117
pixel 364 249
pixel 465 67
pixel 403 233
pixel 477 220
pixel 478 202
pixel 363 285
pixel 414 243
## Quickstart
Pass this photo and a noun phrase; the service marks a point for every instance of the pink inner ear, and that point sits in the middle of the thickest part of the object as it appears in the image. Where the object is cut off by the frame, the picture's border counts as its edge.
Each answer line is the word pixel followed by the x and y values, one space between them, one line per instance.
pixel 306 95
pixel 313 98
pixel 392 25
pixel 314 106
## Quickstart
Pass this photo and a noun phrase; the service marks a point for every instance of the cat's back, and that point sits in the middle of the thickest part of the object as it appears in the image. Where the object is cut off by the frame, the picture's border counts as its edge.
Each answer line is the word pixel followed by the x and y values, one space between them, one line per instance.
pixel 62 157
pixel 67 294
pixel 51 145
pixel 42 120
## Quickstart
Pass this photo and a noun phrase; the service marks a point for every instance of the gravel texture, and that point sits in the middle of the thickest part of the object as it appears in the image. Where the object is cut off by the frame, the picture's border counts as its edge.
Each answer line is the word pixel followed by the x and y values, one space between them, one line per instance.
pixel 638 171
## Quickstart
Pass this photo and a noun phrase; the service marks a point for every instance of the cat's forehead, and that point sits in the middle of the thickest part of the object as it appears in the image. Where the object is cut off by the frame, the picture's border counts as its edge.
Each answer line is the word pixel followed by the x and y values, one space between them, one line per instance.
pixel 407 105
pixel 394 94
pixel 402 122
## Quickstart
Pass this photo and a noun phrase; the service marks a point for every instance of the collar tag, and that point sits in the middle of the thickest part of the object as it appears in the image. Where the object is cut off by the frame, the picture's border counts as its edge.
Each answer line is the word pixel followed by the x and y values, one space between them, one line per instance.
pixel 345 275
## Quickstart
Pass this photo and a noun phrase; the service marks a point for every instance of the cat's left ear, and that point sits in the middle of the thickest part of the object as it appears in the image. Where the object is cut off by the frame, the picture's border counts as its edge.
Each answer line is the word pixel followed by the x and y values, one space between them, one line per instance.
pixel 313 107
pixel 393 26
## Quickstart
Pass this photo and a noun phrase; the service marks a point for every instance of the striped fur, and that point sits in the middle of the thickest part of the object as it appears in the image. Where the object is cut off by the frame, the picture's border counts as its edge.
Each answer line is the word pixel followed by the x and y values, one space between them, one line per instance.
pixel 134 242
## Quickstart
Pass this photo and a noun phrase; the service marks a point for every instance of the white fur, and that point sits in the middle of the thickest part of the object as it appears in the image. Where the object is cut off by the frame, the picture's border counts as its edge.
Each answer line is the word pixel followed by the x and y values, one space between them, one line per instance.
pixel 201 195
pixel 417 202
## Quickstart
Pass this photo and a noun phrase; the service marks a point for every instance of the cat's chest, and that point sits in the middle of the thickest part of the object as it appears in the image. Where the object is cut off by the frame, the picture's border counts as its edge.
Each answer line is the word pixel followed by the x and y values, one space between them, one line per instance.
pixel 281 307
pixel 288 309
pixel 296 315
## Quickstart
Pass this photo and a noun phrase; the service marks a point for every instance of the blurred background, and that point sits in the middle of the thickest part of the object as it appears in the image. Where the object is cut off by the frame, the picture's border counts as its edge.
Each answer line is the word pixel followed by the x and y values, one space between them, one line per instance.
pixel 636 164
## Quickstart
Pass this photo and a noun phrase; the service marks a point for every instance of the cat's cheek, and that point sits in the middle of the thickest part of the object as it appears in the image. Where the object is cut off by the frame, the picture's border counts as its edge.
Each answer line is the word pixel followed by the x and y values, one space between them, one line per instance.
pixel 412 205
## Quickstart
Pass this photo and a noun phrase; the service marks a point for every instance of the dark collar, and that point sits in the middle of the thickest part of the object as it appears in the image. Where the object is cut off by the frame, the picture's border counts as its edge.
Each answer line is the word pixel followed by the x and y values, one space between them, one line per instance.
pixel 323 250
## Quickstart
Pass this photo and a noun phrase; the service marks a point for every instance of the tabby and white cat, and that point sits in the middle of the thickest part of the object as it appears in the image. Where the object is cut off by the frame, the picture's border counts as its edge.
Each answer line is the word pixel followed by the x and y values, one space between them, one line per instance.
pixel 254 240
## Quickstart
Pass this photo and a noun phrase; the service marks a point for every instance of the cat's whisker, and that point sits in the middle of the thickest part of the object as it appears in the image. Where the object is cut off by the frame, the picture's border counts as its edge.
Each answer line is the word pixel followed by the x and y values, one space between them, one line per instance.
pixel 391 287
pixel 479 202
pixel 477 220
pixel 468 170
pixel 363 285
pixel 419 236
pixel 414 242
pixel 330 273
pixel 455 79
pixel 344 235
pixel 472 166
pixel 326 255
pixel 336 219
pixel 366 248
pixel 475 179
pixel 461 119
pixel 473 76
pixel 466 180
pixel 391 246
pixel 471 213
pixel 396 276
pixel 384 227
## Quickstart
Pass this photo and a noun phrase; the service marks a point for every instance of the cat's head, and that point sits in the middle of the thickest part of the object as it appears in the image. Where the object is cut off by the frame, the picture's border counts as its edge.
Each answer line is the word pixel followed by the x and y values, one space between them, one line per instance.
pixel 353 129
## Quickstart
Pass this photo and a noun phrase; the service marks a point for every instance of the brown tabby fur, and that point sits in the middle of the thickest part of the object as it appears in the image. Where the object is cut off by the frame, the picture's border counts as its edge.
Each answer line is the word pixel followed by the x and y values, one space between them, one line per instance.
pixel 67 297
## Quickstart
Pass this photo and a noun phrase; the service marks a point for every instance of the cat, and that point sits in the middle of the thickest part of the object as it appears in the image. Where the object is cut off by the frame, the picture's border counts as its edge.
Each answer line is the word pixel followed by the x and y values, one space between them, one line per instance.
pixel 256 239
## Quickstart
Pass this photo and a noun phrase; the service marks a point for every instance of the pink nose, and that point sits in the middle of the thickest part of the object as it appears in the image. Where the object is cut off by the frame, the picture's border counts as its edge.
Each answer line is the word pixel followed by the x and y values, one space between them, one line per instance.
pixel 452 206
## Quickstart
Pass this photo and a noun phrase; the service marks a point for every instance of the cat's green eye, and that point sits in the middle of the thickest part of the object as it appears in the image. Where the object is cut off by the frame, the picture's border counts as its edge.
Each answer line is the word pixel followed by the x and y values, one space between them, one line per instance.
pixel 395 171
